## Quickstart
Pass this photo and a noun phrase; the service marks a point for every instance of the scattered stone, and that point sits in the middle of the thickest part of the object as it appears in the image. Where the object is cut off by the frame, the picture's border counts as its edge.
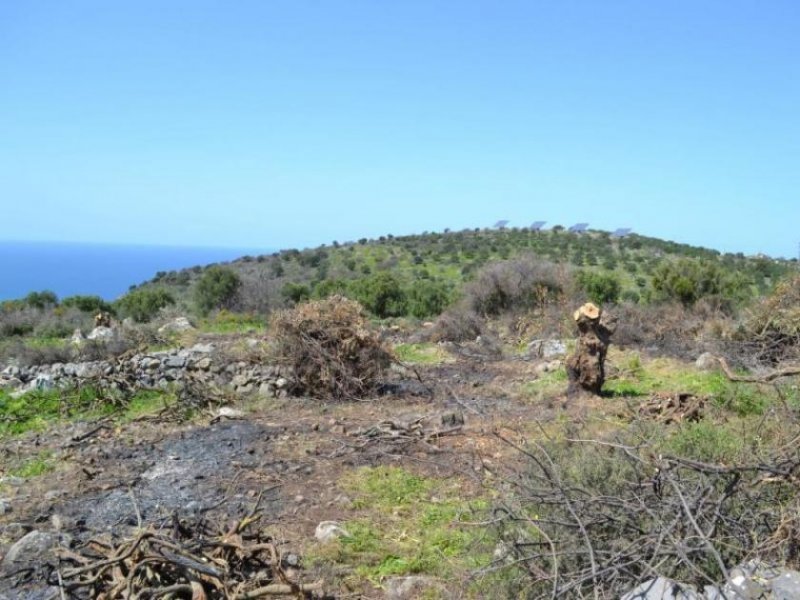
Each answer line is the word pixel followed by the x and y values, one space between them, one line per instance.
pixel 230 413
pixel 328 531
pixel 415 586
pixel 706 362
pixel 662 588
pixel 5 506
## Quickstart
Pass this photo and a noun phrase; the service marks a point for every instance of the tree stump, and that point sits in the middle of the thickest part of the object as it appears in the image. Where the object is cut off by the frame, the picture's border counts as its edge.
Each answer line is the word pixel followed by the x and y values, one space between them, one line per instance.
pixel 586 367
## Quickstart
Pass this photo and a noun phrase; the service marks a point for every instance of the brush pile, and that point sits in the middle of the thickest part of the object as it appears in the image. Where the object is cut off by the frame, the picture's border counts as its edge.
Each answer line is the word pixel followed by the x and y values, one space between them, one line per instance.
pixel 183 560
pixel 333 352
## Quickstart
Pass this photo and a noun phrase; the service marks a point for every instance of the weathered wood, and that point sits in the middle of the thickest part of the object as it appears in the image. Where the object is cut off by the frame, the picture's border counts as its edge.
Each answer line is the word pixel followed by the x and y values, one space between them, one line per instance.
pixel 586 366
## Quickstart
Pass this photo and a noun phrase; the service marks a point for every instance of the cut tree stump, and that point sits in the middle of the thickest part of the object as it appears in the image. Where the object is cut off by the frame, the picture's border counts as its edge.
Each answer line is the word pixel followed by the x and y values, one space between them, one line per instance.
pixel 586 367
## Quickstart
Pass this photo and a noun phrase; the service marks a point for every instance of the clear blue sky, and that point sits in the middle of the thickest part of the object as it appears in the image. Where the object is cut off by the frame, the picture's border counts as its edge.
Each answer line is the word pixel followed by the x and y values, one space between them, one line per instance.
pixel 280 124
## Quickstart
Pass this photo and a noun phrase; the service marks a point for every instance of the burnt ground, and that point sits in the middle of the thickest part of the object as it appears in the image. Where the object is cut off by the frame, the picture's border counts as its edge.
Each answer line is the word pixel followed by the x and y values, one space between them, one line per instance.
pixel 289 454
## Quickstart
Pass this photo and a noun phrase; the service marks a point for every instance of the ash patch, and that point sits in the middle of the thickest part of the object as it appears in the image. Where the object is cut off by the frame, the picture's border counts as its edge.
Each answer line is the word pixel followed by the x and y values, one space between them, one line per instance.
pixel 193 472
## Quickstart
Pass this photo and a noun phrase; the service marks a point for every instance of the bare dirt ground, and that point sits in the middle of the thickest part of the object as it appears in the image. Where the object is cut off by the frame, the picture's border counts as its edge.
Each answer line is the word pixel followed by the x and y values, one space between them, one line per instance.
pixel 290 454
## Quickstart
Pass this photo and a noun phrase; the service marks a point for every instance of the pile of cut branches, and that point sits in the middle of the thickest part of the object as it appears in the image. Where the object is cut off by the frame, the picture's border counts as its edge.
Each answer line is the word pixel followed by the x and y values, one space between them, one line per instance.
pixel 197 560
pixel 332 351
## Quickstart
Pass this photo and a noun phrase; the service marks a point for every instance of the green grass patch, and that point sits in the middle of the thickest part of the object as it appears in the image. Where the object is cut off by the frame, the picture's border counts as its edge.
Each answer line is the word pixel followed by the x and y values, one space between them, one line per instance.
pixel 34 466
pixel 545 386
pixel 421 354
pixel 409 524
pixel 228 322
pixel 637 379
pixel 39 409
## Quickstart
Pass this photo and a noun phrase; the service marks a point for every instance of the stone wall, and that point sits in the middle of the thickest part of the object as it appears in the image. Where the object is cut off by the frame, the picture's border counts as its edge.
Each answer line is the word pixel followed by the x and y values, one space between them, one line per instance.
pixel 152 369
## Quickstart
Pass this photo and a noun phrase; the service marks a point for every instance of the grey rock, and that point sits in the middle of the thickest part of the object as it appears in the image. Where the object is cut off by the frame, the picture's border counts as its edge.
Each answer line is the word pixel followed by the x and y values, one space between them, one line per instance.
pixel 240 380
pixel 150 363
pixel 77 337
pixel 43 381
pixel 176 325
pixel 706 362
pixel 204 364
pixel 175 362
pixel 327 531
pixel 5 506
pixel 11 371
pixel 202 349
pixel 786 586
pixel 281 383
pixel 230 413
pixel 266 389
pixel 101 333
pixel 547 349
pixel 414 586
pixel 662 588
pixel 88 370
pixel 33 546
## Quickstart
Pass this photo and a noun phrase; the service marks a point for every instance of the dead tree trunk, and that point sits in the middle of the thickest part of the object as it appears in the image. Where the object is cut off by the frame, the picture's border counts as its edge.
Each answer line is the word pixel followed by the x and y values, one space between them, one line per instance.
pixel 586 367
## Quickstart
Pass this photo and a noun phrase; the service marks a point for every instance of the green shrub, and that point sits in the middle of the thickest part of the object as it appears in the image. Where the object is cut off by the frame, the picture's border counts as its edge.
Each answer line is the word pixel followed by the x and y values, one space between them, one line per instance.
pixel 295 293
pixel 688 280
pixel 602 288
pixel 427 298
pixel 41 300
pixel 216 288
pixel 143 304
pixel 381 294
pixel 87 304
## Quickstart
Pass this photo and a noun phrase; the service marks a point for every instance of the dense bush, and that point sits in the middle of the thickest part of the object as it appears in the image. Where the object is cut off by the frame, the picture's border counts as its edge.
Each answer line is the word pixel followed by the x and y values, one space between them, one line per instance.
pixel 87 304
pixel 144 304
pixel 688 280
pixel 295 293
pixel 427 298
pixel 523 283
pixel 216 288
pixel 41 300
pixel 773 325
pixel 602 288
pixel 381 294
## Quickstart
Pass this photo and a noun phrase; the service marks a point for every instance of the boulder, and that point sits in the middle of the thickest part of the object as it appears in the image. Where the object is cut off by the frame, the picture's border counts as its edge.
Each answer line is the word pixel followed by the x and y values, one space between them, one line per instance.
pixel 786 586
pixel 176 325
pixel 33 547
pixel 101 333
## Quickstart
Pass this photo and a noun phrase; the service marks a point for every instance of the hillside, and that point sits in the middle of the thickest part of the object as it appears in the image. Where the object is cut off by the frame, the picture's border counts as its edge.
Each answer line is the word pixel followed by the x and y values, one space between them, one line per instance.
pixel 450 259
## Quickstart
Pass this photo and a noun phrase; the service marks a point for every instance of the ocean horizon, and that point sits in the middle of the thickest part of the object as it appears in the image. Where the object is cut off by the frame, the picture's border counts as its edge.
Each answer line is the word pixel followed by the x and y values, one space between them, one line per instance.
pixel 105 270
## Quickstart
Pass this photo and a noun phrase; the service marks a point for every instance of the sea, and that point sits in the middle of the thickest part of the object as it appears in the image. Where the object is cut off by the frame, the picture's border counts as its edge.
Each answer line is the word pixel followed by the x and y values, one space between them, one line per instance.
pixel 105 270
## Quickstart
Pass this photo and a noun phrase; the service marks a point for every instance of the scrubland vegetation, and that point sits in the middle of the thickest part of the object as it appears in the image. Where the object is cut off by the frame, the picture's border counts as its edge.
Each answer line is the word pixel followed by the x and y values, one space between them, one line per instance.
pixel 422 421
